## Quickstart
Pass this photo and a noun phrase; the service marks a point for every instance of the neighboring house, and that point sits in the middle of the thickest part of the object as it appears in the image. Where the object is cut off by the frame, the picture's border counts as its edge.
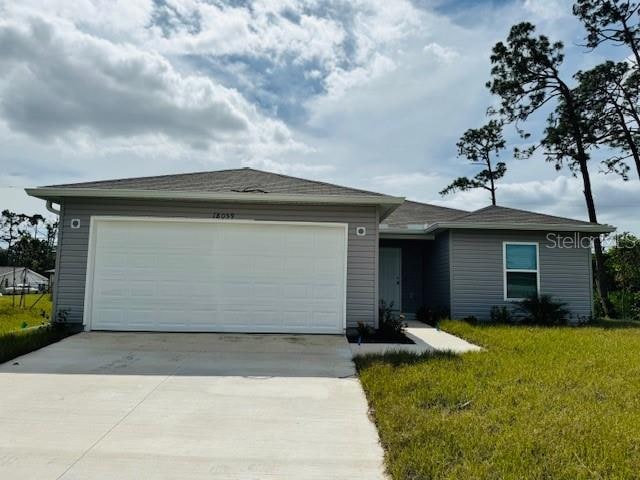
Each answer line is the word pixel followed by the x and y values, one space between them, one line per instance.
pixel 23 276
pixel 250 251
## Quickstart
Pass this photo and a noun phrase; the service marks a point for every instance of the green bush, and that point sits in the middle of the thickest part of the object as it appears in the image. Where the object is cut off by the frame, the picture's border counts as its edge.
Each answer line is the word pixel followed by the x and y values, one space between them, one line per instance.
pixel 364 330
pixel 500 314
pixel 391 325
pixel 541 310
pixel 626 304
pixel 431 316
pixel 18 343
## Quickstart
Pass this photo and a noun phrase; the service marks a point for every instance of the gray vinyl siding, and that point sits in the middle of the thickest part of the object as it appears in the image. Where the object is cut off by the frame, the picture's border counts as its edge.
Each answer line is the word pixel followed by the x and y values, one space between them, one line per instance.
pixel 362 256
pixel 478 277
pixel 438 276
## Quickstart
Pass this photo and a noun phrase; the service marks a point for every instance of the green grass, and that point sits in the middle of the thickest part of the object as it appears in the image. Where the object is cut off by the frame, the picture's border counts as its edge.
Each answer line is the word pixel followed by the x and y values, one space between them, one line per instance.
pixel 14 318
pixel 543 403
pixel 23 330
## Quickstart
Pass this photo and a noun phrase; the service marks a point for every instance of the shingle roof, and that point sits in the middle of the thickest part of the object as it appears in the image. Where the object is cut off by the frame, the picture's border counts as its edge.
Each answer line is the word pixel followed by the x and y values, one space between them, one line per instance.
pixel 497 214
pixel 245 180
pixel 413 213
pixel 423 214
pixel 19 271
pixel 5 270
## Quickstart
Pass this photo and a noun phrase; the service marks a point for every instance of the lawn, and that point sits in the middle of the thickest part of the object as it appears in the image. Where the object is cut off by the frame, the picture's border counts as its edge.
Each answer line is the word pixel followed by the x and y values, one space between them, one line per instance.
pixel 14 318
pixel 555 403
pixel 16 335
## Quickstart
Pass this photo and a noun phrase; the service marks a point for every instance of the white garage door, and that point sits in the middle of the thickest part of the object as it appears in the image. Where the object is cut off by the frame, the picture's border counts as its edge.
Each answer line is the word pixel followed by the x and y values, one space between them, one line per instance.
pixel 197 276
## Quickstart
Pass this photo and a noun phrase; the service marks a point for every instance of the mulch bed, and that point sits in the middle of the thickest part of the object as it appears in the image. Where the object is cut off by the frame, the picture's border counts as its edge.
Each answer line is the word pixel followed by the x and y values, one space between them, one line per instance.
pixel 380 337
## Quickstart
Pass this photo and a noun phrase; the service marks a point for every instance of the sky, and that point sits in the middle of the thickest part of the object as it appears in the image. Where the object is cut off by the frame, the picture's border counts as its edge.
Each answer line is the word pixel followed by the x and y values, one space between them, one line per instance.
pixel 371 94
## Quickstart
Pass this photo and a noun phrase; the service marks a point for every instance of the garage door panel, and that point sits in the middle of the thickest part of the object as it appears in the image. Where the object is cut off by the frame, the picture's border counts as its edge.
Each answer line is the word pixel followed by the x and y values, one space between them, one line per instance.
pixel 324 319
pixel 217 276
pixel 267 290
pixel 110 288
pixel 141 288
pixel 297 291
pixel 325 292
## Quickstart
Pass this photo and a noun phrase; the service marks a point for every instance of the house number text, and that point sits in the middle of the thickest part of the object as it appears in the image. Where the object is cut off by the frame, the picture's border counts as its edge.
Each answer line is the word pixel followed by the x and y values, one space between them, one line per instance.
pixel 224 215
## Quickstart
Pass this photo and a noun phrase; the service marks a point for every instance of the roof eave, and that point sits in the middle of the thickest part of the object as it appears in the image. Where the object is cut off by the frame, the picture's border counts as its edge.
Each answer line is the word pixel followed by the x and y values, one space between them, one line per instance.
pixel 386 203
pixel 400 234
pixel 559 227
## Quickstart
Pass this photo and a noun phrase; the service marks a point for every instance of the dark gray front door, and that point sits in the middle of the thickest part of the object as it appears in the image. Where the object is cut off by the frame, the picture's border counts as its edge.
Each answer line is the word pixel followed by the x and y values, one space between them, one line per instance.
pixel 390 272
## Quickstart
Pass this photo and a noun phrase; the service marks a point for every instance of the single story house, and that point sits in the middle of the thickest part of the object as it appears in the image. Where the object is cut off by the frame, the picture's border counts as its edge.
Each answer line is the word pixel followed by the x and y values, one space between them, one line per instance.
pixel 245 250
pixel 22 276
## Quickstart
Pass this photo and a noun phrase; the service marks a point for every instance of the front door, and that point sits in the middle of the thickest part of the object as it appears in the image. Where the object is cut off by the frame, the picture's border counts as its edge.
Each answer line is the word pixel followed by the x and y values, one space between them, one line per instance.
pixel 390 274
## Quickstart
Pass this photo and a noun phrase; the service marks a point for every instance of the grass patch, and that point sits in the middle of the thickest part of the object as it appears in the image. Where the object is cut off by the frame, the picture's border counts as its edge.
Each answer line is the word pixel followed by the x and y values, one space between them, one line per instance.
pixel 14 344
pixel 16 318
pixel 561 403
pixel 23 330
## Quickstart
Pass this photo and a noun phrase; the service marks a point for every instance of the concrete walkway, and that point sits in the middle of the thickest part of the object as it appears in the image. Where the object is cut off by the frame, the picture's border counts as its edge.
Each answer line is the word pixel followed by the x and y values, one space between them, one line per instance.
pixel 426 339
pixel 187 406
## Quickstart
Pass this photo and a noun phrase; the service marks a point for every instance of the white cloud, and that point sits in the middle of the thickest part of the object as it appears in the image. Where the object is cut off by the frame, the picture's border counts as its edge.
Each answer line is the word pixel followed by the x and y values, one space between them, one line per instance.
pixel 290 168
pixel 549 9
pixel 442 54
pixel 401 184
pixel 340 81
pixel 616 200
pixel 261 30
pixel 61 83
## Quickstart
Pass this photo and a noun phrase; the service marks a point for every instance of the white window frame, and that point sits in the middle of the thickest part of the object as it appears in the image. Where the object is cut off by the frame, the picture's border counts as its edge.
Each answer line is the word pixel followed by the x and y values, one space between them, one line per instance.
pixel 505 270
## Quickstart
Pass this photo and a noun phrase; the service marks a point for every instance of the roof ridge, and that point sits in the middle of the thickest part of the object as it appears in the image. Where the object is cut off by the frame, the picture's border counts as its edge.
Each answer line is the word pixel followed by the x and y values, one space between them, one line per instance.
pixel 186 174
pixel 205 172
pixel 317 182
pixel 519 210
pixel 438 206
pixel 473 212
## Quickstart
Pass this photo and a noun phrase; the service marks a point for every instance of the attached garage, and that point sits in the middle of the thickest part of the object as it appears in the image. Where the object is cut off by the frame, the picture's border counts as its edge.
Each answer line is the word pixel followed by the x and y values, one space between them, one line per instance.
pixel 238 250
pixel 191 275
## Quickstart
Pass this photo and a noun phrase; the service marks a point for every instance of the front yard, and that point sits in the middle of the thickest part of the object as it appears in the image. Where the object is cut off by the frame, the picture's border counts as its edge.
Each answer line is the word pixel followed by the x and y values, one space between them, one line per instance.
pixel 24 329
pixel 14 318
pixel 560 403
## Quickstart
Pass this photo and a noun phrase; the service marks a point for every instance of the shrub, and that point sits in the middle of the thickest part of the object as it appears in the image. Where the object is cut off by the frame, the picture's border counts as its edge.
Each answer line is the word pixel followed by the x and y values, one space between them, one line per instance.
pixel 364 330
pixel 500 314
pixel 431 316
pixel 423 314
pixel 626 304
pixel 21 342
pixel 390 324
pixel 62 316
pixel 542 310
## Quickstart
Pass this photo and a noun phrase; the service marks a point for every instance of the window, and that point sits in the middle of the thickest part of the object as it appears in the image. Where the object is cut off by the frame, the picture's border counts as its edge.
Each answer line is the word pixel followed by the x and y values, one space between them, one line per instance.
pixel 521 270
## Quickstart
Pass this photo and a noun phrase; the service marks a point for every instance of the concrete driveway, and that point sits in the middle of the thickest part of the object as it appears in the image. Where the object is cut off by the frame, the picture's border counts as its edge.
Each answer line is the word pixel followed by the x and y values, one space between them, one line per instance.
pixel 186 406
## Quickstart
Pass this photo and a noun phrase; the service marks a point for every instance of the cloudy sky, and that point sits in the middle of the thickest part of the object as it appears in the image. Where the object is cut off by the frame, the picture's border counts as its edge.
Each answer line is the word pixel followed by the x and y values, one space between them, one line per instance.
pixel 365 93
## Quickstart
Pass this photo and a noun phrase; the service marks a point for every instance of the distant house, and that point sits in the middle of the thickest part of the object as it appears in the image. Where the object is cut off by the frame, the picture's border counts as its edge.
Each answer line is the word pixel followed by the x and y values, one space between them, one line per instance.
pixel 23 276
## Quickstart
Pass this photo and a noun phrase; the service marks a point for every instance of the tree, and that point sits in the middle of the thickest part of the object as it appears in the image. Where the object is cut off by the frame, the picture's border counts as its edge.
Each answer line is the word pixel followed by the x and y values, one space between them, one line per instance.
pixel 11 227
pixel 526 77
pixel 51 229
pixel 478 145
pixel 34 221
pixel 34 253
pixel 610 21
pixel 609 98
pixel 623 261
